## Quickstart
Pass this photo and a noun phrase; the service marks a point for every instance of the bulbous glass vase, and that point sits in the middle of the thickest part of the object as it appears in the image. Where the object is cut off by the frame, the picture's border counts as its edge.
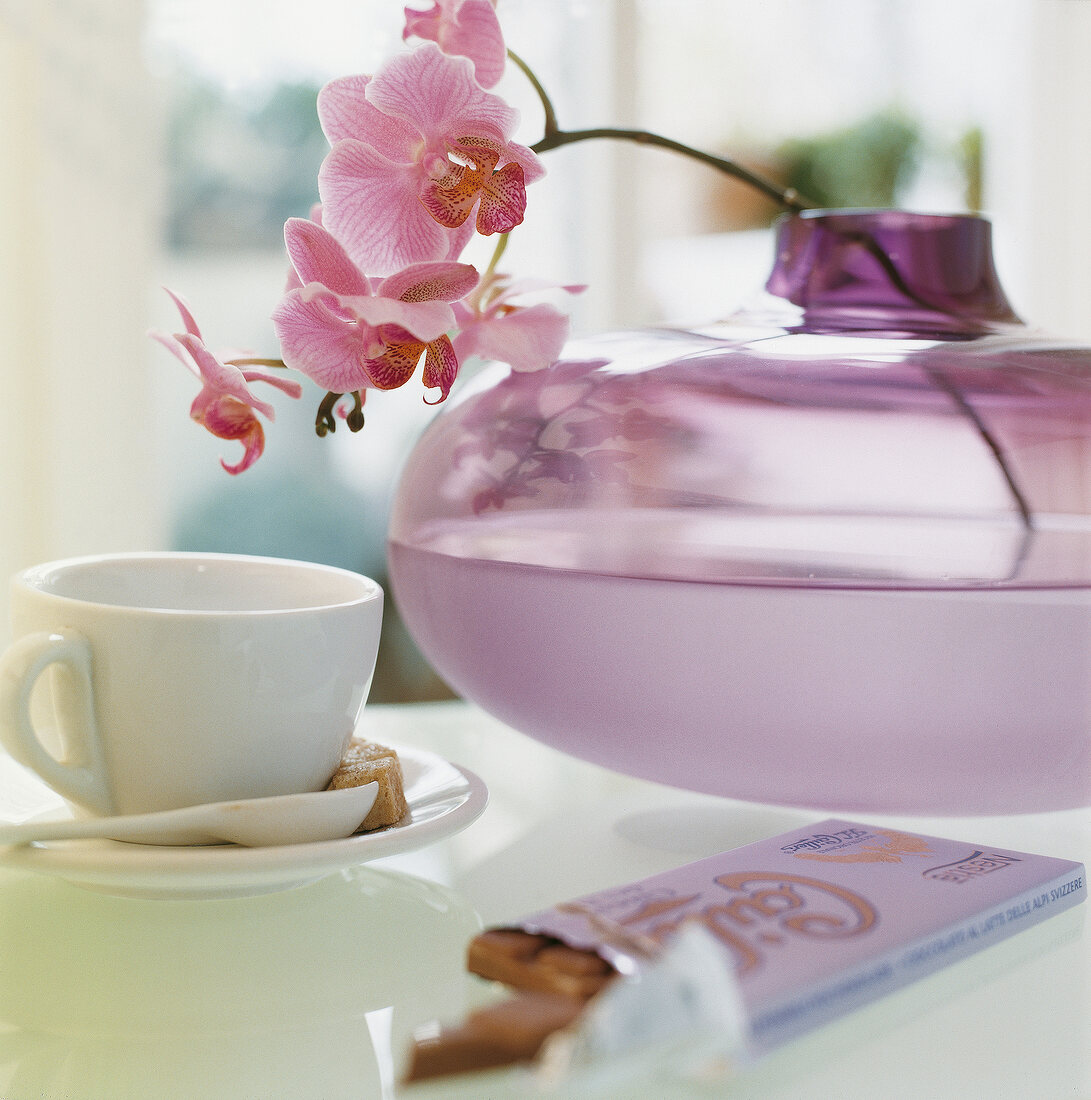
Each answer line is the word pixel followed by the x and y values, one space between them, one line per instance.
pixel 833 552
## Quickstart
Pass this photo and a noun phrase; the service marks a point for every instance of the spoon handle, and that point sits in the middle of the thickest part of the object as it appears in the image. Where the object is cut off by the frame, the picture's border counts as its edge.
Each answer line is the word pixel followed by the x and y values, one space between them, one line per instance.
pixel 252 822
pixel 129 827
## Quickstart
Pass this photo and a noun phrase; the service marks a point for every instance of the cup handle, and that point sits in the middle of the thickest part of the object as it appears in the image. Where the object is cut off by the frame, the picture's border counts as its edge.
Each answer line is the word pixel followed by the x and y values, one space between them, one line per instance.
pixel 81 776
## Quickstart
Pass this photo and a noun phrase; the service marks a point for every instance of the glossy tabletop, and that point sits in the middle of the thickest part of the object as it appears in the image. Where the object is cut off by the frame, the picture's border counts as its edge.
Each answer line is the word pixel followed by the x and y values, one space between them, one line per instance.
pixel 312 993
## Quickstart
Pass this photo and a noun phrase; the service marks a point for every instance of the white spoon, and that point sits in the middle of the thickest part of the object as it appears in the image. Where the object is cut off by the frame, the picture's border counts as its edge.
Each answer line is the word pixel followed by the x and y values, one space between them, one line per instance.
pixel 253 822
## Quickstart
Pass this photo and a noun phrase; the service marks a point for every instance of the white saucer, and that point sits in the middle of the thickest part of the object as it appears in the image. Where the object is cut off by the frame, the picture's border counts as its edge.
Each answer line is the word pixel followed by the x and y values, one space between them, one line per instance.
pixel 443 799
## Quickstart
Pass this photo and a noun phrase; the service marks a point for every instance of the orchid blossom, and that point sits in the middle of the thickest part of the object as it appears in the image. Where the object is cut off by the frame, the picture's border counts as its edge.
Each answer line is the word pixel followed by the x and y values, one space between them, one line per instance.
pixel 421 158
pixel 494 325
pixel 465 28
pixel 351 333
pixel 415 150
pixel 225 406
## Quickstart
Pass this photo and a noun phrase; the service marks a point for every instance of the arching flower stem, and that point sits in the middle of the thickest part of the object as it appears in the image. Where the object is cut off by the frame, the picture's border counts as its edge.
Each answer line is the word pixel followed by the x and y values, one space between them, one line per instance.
pixel 553 137
pixel 787 197
pixel 551 126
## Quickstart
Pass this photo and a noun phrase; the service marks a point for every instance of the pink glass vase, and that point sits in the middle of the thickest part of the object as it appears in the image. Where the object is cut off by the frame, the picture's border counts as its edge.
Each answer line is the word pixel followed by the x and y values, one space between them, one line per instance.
pixel 831 552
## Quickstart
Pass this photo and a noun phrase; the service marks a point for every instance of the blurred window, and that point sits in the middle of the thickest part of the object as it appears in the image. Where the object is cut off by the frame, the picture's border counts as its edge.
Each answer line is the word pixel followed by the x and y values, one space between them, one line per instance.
pixel 164 142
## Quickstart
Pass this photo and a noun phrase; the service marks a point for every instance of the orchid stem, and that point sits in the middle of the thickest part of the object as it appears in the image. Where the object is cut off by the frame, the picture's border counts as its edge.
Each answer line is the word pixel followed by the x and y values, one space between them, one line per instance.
pixel 945 384
pixel 498 252
pixel 551 126
pixel 963 405
pixel 553 137
pixel 325 421
pixel 248 362
pixel 788 197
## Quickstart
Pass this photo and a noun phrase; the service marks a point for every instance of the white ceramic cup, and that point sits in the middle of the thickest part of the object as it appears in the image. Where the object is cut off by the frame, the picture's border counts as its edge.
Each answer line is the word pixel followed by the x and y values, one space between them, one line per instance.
pixel 143 682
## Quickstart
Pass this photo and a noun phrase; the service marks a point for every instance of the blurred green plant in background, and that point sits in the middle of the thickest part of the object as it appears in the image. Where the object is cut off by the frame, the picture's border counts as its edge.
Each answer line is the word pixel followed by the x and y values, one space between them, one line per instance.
pixel 869 163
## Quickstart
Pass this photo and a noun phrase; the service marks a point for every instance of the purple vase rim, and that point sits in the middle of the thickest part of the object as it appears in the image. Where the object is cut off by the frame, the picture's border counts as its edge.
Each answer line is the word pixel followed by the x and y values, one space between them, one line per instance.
pixel 890 270
pixel 885 215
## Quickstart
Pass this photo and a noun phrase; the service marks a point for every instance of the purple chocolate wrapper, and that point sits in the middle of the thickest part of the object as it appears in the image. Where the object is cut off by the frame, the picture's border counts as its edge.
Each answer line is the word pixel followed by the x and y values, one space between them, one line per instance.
pixel 821 920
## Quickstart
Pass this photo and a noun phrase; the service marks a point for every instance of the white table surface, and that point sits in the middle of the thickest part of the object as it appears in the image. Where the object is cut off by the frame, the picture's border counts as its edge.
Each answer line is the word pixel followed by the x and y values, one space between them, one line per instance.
pixel 312 993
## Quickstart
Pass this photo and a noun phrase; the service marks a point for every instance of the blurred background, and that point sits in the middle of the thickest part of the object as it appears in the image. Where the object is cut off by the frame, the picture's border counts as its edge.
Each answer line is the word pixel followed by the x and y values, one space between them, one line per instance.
pixel 151 143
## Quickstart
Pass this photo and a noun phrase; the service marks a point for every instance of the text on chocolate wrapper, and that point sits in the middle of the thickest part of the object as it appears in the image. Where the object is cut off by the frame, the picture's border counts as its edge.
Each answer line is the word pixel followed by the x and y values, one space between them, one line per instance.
pixel 967 936
pixel 816 842
pixel 972 866
pixel 1067 888
pixel 761 911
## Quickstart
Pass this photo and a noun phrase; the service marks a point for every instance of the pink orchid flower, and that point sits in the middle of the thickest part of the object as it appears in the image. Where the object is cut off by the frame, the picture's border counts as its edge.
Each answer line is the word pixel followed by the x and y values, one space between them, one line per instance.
pixel 225 406
pixel 493 325
pixel 466 28
pixel 416 148
pixel 350 333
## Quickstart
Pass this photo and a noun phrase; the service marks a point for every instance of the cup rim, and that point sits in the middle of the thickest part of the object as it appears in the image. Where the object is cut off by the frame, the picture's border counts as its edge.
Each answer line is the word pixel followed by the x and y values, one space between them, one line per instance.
pixel 33 579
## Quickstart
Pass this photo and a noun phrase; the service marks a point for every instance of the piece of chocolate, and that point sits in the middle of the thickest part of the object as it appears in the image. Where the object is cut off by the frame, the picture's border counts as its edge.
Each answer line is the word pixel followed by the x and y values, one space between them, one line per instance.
pixel 541 964
pixel 501 1034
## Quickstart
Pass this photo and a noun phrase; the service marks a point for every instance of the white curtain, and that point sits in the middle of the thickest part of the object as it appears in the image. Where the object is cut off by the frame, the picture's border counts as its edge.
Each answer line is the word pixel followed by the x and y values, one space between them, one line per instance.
pixel 79 172
pixel 1039 176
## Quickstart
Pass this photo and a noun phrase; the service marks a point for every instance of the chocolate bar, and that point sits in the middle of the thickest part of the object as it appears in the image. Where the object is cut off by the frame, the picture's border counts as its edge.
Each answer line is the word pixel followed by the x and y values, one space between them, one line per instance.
pixel 812 923
pixel 826 918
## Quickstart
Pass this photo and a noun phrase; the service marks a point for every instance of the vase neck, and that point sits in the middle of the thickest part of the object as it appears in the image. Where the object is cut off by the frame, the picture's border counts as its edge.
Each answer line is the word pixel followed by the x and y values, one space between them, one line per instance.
pixel 888 270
